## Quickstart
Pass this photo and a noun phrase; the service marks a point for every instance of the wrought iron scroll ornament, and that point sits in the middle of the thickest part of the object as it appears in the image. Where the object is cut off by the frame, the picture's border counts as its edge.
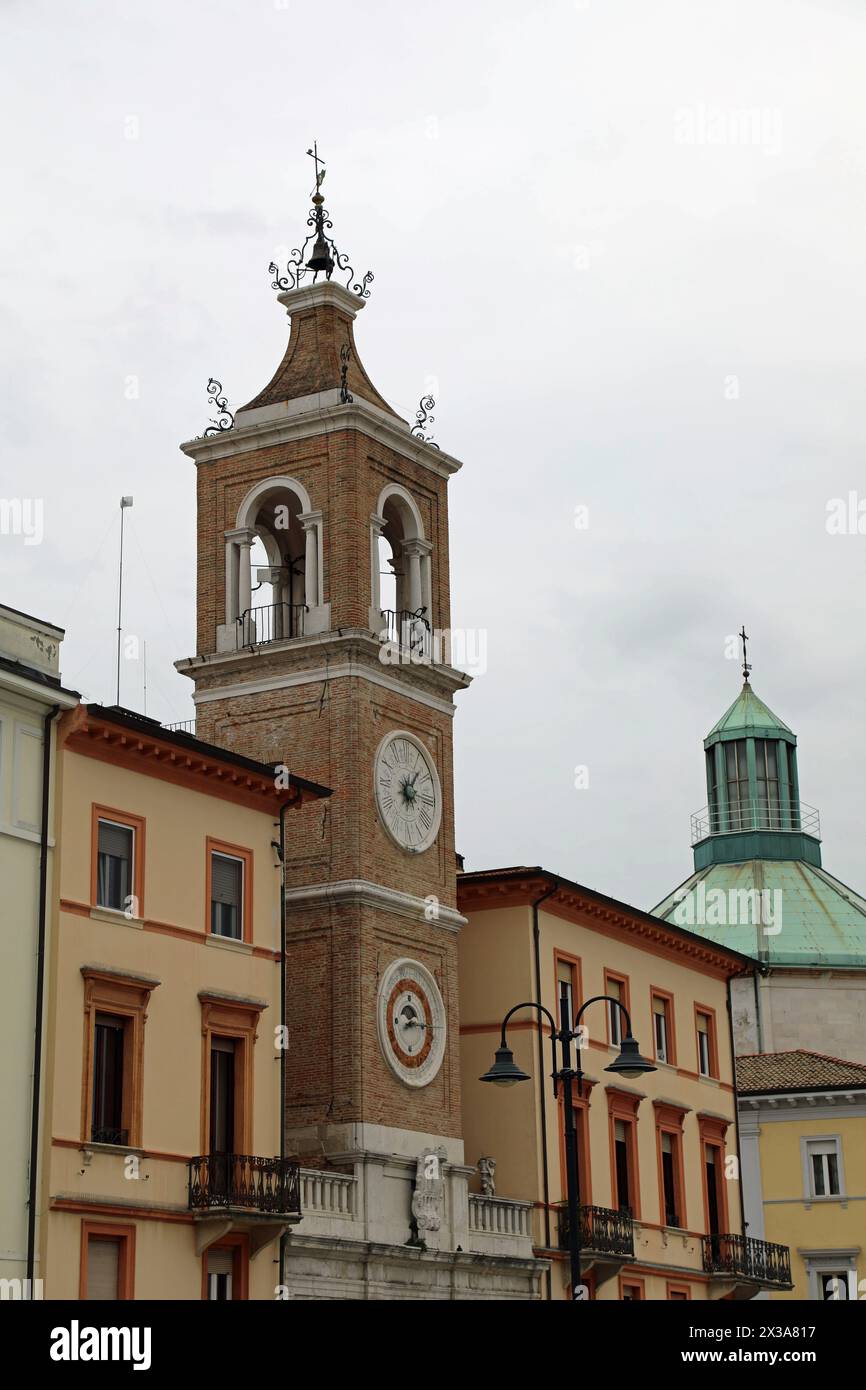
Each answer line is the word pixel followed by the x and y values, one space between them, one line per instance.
pixel 423 418
pixel 326 255
pixel 225 419
pixel 346 397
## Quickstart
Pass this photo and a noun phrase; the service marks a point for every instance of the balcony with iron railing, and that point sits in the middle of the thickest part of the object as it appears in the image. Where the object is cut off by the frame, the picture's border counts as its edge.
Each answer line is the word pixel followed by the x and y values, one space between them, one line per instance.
pixel 232 1182
pixel 410 632
pixel 603 1233
pixel 755 816
pixel 746 1258
pixel 273 622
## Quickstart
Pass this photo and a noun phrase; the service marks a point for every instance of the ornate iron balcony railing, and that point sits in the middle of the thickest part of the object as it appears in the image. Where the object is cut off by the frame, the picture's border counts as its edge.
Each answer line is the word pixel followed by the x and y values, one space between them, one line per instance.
pixel 772 815
pixel 243 1180
pixel 602 1231
pixel 110 1136
pixel 410 631
pixel 745 1257
pixel 274 622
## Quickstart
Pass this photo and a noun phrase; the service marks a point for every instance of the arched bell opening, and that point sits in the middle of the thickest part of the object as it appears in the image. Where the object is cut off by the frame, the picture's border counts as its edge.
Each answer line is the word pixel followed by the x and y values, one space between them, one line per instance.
pixel 401 570
pixel 273 567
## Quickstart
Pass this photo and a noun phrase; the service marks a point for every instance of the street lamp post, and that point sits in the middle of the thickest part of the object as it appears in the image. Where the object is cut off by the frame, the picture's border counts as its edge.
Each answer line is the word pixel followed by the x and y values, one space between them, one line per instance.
pixel 505 1072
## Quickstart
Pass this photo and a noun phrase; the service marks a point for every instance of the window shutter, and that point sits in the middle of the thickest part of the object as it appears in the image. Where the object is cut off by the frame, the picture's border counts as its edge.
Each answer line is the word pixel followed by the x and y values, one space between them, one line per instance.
pixel 115 840
pixel 226 880
pixel 103 1267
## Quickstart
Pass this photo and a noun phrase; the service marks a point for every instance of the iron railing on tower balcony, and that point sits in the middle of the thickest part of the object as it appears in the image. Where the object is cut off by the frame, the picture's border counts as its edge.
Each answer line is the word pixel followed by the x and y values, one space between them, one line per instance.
pixel 744 1257
pixel 181 726
pixel 409 631
pixel 772 814
pixel 273 622
pixel 244 1180
pixel 602 1231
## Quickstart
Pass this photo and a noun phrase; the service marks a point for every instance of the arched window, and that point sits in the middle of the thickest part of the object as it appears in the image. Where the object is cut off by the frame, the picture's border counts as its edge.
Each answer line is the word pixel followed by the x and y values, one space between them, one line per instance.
pixel 273 567
pixel 400 557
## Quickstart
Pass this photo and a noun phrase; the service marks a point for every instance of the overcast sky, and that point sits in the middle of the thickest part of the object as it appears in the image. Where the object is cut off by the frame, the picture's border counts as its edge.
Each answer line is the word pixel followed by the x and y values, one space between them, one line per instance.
pixel 624 242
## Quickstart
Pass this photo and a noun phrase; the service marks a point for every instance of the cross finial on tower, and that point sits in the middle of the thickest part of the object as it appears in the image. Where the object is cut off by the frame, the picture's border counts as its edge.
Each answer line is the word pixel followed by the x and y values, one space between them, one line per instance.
pixel 320 177
pixel 744 637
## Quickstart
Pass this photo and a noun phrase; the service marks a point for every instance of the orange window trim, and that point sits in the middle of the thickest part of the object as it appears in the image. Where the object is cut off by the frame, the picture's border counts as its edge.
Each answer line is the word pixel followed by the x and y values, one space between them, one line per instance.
pixel 625 998
pixel 227 1019
pixel 138 825
pixel 657 993
pixel 128 998
pixel 126 1265
pixel 239 1244
pixel 707 1142
pixel 669 1120
pixel 564 958
pixel 675 1291
pixel 632 1281
pixel 246 856
pixel 712 1035
pixel 622 1105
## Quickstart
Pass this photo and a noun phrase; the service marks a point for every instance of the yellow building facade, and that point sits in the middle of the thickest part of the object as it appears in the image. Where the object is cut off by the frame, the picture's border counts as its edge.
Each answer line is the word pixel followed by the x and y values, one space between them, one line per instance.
pixel 803 1137
pixel 163 1175
pixel 661 1214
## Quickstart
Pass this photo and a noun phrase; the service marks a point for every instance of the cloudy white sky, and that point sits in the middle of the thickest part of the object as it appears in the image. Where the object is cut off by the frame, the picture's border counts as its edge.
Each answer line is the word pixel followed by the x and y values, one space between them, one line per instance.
pixel 625 240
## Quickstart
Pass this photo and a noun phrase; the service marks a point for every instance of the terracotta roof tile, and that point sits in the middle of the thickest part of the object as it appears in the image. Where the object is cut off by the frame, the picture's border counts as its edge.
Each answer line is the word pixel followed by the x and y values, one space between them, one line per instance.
pixel 796 1071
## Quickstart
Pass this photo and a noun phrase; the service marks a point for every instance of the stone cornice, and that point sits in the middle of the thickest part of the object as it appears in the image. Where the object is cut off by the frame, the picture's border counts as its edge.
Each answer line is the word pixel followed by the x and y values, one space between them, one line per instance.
pixel 358 890
pixel 272 425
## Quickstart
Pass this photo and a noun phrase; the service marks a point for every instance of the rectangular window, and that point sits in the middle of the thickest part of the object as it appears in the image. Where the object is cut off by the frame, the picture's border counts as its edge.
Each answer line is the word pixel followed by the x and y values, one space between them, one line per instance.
pixel 662 1029
pixel 565 981
pixel 823 1155
pixel 670 1178
pixel 768 784
pixel 220 1267
pixel 632 1291
pixel 107 1264
pixel 706 1041
pixel 616 986
pixel 227 896
pixel 622 1165
pixel 833 1285
pixel 713 792
pixel 737 774
pixel 108 1071
pixel 115 865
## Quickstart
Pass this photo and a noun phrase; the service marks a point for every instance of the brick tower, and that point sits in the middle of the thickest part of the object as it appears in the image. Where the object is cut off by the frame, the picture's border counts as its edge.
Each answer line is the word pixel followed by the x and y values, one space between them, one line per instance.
pixel 308 655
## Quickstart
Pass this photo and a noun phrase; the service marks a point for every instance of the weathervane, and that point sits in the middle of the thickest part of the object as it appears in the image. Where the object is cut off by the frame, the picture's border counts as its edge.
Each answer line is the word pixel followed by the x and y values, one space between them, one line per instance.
pixel 325 255
pixel 744 637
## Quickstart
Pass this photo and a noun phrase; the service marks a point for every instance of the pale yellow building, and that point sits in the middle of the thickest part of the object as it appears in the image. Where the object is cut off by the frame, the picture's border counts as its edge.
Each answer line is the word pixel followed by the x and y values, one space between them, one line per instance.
pixel 661 1214
pixel 164 1176
pixel 31 701
pixel 803 1136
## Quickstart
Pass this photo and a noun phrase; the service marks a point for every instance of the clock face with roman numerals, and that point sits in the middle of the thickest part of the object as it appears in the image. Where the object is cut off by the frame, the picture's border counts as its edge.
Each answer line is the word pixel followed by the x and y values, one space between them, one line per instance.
pixel 408 795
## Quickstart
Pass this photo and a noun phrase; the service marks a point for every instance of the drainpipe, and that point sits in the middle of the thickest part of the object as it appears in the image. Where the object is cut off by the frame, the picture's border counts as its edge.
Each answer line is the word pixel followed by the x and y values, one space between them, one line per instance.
pixel 736 1109
pixel 282 853
pixel 40 996
pixel 545 1174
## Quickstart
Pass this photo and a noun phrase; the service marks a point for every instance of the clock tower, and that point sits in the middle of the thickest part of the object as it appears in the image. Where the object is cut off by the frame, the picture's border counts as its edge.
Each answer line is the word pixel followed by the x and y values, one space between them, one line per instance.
pixel 322 644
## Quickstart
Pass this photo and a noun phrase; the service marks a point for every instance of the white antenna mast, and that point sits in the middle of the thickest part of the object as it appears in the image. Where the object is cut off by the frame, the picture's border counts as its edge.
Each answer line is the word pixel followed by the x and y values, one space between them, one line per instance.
pixel 124 503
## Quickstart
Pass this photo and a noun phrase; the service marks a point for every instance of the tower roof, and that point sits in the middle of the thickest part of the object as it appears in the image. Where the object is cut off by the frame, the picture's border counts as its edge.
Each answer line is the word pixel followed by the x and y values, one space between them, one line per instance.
pixel 749 717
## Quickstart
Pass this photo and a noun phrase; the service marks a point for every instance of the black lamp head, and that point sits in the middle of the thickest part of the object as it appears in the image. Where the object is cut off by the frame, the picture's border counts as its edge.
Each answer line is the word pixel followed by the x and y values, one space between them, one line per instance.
pixel 630 1062
pixel 505 1071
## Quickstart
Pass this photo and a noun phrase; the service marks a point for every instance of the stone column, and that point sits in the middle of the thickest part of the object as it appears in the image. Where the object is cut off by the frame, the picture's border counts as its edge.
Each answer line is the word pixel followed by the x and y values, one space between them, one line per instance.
pixel 311 522
pixel 377 528
pixel 245 541
pixel 412 552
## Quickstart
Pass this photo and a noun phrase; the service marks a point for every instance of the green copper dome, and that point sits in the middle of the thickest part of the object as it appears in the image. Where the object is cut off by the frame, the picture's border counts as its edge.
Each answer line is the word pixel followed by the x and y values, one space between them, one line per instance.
pixel 748 716
pixel 758 886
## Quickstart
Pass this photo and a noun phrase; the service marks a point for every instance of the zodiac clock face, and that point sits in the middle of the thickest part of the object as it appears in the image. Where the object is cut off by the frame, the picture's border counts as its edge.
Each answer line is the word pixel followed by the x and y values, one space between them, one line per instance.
pixel 411 1021
pixel 408 794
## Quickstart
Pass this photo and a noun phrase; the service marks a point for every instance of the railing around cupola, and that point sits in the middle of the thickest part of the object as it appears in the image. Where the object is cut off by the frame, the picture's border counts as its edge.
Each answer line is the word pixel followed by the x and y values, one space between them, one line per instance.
pixel 751 815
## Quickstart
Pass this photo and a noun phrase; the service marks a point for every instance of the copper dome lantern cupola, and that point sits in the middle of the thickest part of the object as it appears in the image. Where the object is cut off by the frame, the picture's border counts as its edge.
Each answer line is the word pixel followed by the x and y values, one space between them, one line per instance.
pixel 753 806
